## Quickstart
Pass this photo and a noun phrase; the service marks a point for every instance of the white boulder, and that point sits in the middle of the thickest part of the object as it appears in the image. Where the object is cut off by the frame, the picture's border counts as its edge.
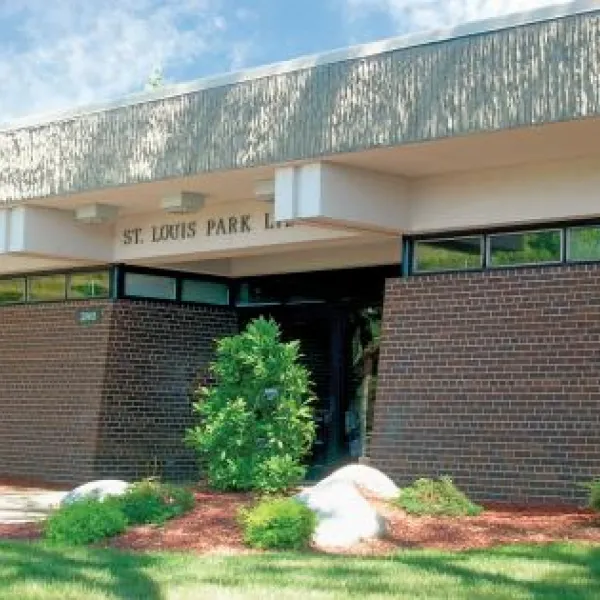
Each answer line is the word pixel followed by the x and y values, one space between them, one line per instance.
pixel 344 516
pixel 367 478
pixel 97 490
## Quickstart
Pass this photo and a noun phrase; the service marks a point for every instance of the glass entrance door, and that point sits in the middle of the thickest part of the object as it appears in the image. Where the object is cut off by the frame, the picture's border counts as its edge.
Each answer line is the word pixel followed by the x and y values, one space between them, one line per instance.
pixel 336 316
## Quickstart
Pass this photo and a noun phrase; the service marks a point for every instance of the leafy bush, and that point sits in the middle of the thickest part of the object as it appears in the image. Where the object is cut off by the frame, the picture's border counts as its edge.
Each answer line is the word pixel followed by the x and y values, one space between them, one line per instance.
pixel 256 423
pixel 278 524
pixel 440 498
pixel 154 502
pixel 593 488
pixel 84 522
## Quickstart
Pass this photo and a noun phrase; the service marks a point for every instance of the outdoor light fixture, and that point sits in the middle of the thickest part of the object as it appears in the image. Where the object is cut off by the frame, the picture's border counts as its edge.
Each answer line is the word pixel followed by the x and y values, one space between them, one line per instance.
pixel 184 202
pixel 96 213
pixel 265 190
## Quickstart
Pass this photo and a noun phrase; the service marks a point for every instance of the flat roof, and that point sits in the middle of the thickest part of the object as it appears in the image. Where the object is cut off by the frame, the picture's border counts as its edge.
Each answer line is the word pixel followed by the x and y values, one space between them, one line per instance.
pixel 472 28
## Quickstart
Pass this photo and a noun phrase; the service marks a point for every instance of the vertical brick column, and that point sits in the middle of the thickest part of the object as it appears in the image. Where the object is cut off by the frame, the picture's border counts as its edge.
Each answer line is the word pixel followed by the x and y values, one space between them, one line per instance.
pixel 493 378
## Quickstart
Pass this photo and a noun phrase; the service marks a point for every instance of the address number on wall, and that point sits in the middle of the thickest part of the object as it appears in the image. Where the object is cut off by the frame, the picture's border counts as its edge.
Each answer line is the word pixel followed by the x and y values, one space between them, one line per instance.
pixel 89 316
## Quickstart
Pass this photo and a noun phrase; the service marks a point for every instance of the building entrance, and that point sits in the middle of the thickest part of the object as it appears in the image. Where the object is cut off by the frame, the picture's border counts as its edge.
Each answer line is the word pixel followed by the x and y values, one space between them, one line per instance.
pixel 339 340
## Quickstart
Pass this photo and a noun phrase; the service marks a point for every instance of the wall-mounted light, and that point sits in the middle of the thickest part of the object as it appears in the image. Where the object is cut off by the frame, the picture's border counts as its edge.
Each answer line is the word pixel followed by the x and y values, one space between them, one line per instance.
pixel 265 190
pixel 184 202
pixel 96 213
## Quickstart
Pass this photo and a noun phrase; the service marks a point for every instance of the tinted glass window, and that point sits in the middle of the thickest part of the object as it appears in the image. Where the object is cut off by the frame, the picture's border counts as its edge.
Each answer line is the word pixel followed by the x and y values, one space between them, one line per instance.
pixel 150 286
pixel 259 293
pixel 448 254
pixel 206 292
pixel 89 285
pixel 526 248
pixel 46 287
pixel 12 290
pixel 584 243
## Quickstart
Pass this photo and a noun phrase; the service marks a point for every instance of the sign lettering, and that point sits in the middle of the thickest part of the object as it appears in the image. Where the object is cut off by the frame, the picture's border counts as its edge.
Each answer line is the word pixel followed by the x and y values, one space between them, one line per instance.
pixel 185 230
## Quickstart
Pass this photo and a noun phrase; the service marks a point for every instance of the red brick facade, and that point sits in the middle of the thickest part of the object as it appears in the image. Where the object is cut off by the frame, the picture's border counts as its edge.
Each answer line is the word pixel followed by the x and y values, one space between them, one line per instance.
pixel 51 383
pixel 493 378
pixel 106 399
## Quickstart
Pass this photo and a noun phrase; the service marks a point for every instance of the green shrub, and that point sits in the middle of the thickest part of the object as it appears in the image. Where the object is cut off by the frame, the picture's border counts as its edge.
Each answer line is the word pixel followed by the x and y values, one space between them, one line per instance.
pixel 153 502
pixel 84 522
pixel 278 524
pixel 256 423
pixel 593 488
pixel 440 498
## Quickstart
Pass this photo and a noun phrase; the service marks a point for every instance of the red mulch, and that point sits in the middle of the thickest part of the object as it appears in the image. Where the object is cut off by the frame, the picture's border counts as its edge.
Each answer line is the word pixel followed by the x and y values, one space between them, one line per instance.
pixel 498 524
pixel 20 531
pixel 212 528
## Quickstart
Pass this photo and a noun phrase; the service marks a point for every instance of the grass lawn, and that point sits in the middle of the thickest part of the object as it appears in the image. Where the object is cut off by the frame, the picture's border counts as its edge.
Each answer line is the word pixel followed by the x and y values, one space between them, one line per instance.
pixel 557 571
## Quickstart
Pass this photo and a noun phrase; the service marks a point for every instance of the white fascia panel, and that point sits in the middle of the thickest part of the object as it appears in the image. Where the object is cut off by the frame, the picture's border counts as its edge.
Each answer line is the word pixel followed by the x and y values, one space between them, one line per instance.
pixel 4 230
pixel 54 233
pixel 297 192
pixel 338 196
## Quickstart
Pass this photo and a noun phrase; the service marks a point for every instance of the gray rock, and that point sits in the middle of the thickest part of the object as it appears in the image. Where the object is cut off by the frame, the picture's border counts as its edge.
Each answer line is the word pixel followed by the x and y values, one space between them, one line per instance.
pixel 98 490
pixel 345 518
pixel 367 478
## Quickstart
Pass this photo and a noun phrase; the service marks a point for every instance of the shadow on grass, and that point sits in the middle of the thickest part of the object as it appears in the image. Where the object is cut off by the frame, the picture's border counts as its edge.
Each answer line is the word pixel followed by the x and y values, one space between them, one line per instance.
pixel 97 571
pixel 562 571
pixel 558 571
pixel 549 572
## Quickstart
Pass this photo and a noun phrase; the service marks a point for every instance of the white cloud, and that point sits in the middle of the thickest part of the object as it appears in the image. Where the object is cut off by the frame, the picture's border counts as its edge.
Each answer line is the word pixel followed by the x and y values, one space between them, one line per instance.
pixel 63 53
pixel 422 15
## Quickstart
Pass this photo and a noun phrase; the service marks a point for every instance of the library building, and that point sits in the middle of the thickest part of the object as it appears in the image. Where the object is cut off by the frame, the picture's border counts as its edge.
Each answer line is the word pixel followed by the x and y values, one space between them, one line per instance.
pixel 421 213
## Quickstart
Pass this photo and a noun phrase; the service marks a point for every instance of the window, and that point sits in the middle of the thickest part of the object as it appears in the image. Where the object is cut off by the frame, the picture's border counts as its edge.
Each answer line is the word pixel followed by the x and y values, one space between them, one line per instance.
pixel 448 254
pixel 259 293
pixel 525 248
pixel 46 287
pixel 583 243
pixel 12 290
pixel 206 292
pixel 150 286
pixel 89 285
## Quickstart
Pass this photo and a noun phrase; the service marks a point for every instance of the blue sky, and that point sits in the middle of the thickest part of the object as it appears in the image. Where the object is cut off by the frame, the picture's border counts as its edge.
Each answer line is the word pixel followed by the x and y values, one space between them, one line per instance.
pixel 59 54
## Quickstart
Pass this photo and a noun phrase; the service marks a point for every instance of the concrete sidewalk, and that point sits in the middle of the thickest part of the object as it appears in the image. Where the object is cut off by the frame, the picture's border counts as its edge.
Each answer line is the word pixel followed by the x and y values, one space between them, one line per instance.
pixel 24 505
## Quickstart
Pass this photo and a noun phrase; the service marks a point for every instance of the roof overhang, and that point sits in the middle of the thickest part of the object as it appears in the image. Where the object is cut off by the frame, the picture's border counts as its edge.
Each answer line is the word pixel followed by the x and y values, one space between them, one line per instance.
pixel 528 69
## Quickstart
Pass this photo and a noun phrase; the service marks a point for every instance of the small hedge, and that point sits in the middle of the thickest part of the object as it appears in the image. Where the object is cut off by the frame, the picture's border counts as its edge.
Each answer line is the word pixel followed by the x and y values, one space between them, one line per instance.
pixel 151 502
pixel 593 488
pixel 90 520
pixel 436 498
pixel 85 522
pixel 278 524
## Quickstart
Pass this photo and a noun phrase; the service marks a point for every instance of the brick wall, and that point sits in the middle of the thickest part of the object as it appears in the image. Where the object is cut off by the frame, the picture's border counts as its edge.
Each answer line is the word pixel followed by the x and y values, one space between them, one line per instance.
pixel 493 378
pixel 105 400
pixel 51 380
pixel 156 353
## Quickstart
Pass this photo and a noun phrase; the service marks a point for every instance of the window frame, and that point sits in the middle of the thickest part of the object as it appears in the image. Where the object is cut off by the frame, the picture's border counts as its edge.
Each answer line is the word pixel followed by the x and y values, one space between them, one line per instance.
pixel 22 278
pixel 70 275
pixel 413 262
pixel 34 276
pixel 568 230
pixel 491 235
pixel 185 279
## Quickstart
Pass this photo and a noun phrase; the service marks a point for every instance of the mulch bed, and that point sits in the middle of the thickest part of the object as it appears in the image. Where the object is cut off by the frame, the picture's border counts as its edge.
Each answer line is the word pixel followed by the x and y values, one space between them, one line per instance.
pixel 212 528
pixel 20 531
pixel 499 524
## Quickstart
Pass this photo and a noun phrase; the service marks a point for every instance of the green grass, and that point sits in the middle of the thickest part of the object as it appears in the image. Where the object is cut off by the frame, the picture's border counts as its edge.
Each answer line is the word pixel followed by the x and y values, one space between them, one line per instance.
pixel 558 571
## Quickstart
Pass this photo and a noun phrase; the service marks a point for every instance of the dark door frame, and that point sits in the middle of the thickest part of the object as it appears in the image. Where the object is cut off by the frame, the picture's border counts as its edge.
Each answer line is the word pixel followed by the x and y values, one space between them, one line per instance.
pixel 336 315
